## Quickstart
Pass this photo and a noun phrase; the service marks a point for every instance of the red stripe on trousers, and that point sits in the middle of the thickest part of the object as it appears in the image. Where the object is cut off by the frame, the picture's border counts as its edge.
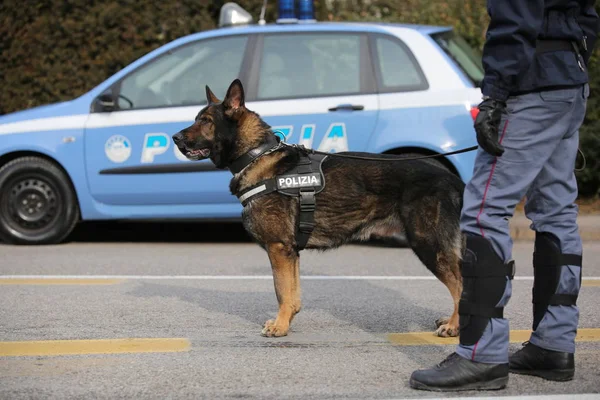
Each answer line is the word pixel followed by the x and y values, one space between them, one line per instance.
pixel 487 186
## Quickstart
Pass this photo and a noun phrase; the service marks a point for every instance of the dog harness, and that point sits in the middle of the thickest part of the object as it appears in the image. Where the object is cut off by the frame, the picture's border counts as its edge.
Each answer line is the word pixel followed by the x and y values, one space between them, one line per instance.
pixel 303 181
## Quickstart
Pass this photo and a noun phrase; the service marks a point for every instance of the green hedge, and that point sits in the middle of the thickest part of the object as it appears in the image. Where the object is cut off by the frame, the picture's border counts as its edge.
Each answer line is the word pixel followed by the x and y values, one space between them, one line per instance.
pixel 55 50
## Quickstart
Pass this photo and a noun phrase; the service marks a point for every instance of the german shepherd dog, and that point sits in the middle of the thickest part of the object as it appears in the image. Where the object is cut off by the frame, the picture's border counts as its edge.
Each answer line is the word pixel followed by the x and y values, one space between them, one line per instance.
pixel 360 198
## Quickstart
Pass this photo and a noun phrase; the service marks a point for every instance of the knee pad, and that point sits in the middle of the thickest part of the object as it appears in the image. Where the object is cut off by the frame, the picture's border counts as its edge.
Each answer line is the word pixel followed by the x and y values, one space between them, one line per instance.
pixel 548 261
pixel 484 281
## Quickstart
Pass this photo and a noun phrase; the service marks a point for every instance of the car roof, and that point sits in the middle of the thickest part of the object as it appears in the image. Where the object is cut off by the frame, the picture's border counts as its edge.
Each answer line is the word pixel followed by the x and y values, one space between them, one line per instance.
pixel 317 26
pixel 424 29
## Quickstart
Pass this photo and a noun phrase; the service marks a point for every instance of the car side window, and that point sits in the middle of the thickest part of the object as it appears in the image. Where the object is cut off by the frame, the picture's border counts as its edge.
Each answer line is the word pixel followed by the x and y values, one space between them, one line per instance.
pixel 178 77
pixel 307 65
pixel 398 70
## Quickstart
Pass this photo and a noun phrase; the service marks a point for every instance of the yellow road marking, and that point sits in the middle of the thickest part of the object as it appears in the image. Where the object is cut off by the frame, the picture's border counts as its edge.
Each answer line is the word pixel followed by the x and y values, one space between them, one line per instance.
pixel 594 282
pixel 101 346
pixel 428 338
pixel 60 281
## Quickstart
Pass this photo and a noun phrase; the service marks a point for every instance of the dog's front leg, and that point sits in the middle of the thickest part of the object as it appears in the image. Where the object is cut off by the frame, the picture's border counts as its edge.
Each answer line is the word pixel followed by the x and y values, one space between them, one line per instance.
pixel 285 262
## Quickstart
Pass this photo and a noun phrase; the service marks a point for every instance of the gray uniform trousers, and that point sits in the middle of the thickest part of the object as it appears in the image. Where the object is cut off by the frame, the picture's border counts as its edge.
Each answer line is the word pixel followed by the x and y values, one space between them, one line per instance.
pixel 540 135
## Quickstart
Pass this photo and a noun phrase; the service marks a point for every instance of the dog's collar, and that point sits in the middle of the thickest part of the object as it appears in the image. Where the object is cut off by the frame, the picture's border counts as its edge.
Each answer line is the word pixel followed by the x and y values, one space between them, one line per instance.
pixel 247 158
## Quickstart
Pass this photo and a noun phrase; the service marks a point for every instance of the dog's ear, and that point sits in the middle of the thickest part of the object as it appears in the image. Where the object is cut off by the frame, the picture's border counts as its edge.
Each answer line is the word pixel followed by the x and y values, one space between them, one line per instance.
pixel 234 100
pixel 210 96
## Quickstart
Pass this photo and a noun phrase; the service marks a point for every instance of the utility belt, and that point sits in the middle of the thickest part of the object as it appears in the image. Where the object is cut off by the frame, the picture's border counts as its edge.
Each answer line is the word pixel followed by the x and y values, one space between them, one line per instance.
pixel 550 45
pixel 303 181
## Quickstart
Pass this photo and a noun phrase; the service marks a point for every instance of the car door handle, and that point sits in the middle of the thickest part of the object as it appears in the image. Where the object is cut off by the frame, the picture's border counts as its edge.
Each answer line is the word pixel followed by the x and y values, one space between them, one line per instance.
pixel 349 107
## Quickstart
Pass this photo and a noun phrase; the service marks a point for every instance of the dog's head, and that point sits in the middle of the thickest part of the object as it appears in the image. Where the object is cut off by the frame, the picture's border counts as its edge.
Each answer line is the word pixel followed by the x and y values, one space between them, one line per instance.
pixel 223 130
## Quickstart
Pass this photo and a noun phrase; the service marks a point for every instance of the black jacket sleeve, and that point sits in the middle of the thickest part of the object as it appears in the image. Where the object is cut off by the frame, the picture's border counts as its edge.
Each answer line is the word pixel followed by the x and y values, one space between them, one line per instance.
pixel 510 44
pixel 589 23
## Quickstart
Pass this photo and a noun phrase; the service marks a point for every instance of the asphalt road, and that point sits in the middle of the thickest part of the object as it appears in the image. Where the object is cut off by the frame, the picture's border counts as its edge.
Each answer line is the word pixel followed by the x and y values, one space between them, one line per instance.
pixel 205 295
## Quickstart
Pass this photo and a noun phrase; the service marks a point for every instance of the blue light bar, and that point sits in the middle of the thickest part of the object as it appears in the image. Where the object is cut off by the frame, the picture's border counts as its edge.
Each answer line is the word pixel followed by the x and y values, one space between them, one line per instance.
pixel 306 11
pixel 286 12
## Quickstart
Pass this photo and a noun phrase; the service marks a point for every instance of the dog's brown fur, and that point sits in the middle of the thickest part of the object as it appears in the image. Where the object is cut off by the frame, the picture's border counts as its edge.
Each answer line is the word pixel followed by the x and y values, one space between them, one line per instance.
pixel 360 198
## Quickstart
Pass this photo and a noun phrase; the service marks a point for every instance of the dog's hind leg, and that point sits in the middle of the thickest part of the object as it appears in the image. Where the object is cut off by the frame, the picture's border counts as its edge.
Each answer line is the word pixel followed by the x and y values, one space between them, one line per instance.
pixel 436 240
pixel 448 272
pixel 445 265
pixel 285 263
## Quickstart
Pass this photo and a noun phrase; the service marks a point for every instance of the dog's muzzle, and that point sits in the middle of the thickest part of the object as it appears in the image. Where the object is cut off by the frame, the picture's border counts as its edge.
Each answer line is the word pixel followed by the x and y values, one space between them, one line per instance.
pixel 191 154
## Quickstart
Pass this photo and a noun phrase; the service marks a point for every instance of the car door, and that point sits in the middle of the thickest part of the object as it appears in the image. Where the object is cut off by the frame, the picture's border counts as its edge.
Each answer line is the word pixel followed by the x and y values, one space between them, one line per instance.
pixel 130 156
pixel 316 88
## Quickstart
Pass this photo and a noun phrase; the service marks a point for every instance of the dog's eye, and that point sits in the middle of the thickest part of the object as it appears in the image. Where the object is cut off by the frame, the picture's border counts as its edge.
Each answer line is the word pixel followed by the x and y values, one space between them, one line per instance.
pixel 204 120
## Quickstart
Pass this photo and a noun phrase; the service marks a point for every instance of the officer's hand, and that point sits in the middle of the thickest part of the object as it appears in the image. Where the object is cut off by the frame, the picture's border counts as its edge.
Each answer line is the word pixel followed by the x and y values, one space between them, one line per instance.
pixel 487 124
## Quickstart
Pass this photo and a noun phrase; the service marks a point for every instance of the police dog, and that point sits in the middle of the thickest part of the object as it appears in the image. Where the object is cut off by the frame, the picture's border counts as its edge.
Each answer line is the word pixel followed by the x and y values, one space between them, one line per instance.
pixel 360 198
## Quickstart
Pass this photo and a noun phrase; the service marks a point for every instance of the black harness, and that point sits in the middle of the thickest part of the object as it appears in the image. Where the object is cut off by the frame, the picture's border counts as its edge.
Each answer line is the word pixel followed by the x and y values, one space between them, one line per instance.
pixel 303 181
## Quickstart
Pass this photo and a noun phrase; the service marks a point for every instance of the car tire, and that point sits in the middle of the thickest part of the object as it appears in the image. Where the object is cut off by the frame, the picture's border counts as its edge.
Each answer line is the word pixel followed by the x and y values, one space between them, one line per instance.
pixel 37 202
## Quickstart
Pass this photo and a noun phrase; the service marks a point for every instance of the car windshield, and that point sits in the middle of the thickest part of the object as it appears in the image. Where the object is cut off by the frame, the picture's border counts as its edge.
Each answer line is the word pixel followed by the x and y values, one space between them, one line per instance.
pixel 466 57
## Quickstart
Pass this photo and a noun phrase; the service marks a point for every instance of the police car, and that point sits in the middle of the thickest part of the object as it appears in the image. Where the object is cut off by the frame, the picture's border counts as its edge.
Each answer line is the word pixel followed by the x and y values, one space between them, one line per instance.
pixel 108 154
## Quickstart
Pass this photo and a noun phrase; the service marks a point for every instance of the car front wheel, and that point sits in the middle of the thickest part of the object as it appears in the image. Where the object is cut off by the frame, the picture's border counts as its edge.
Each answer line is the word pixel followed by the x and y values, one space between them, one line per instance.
pixel 37 202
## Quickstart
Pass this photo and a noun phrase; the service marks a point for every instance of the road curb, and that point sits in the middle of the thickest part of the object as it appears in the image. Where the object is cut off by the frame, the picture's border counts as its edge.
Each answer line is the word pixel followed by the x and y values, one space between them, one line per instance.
pixel 589 227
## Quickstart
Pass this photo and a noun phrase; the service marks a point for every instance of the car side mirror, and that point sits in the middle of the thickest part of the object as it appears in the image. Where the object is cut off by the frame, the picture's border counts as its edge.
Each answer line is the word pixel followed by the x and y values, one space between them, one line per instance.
pixel 105 103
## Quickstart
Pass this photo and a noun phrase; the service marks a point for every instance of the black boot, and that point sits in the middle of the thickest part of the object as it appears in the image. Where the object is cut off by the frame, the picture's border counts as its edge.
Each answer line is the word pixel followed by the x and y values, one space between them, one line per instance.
pixel 547 364
pixel 456 373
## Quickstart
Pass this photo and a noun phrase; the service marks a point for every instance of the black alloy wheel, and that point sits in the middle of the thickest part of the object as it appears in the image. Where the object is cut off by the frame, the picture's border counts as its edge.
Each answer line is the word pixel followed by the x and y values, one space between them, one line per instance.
pixel 37 202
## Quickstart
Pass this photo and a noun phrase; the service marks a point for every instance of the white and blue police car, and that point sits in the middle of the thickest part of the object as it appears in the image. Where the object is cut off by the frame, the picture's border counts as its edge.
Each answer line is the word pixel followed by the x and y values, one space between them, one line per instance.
pixel 108 154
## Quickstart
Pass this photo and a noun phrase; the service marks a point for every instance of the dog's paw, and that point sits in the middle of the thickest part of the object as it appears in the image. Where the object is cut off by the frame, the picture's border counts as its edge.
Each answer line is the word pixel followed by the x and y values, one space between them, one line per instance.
pixel 271 329
pixel 447 330
pixel 441 321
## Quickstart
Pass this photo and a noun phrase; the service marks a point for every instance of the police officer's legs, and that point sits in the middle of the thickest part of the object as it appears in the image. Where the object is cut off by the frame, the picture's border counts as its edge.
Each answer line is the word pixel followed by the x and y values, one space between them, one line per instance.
pixel 531 132
pixel 557 262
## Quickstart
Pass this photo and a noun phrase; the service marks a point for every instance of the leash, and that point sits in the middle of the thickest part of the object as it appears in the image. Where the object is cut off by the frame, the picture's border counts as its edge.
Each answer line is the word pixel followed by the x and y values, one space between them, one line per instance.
pixel 301 147
pixel 465 150
pixel 389 159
